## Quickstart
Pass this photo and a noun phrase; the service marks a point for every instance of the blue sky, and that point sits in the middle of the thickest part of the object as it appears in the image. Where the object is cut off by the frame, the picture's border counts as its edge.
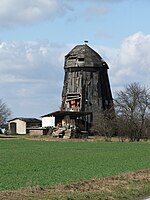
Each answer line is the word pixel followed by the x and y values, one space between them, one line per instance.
pixel 35 35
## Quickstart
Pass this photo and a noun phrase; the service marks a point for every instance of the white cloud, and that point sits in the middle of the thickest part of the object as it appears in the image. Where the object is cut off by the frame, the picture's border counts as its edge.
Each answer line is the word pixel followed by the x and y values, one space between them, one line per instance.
pixel 135 50
pixel 27 12
pixel 24 92
pixel 14 12
pixel 31 74
pixel 129 63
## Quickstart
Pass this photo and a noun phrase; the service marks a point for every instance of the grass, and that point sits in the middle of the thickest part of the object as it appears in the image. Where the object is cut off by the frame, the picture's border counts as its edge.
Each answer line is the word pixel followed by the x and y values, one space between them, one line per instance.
pixel 25 163
pixel 135 185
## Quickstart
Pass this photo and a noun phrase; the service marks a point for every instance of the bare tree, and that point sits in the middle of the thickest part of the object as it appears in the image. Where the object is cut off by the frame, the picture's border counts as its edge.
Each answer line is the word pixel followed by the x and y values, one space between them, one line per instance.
pixel 122 128
pixel 4 112
pixel 146 132
pixel 132 108
pixel 105 124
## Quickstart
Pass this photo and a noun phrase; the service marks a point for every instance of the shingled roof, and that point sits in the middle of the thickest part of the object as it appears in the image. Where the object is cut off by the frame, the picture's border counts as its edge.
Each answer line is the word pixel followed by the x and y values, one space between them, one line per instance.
pixel 85 55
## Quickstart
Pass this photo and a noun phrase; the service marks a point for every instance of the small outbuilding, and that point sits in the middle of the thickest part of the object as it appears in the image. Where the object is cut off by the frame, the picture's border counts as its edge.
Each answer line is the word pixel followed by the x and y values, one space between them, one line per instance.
pixel 21 125
pixel 67 124
pixel 64 118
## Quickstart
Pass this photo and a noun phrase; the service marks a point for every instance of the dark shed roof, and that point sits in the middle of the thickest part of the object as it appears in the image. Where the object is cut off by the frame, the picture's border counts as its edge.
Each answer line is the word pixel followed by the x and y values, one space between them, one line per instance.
pixel 33 120
pixel 70 113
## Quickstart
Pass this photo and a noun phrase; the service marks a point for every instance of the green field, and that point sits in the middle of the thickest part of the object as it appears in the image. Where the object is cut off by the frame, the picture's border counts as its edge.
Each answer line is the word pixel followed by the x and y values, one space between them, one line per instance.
pixel 26 163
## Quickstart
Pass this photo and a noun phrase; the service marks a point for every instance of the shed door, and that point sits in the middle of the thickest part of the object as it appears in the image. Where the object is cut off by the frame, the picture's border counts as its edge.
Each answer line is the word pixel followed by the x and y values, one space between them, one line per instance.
pixel 13 128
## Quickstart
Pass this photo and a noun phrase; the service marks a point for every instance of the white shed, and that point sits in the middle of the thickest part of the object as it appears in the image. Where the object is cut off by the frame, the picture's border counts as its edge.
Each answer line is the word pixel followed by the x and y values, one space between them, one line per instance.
pixel 20 125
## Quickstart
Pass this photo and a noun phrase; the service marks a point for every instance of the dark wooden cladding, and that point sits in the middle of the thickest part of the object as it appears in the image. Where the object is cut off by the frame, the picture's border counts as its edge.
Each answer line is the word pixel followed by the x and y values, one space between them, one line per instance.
pixel 86 83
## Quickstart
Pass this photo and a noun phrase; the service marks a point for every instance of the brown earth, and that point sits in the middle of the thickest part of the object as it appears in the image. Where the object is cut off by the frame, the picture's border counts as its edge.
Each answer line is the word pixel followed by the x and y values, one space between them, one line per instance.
pixel 125 181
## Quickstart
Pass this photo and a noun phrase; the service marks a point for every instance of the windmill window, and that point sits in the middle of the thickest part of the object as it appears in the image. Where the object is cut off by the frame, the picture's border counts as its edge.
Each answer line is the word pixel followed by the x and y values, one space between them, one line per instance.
pixel 80 59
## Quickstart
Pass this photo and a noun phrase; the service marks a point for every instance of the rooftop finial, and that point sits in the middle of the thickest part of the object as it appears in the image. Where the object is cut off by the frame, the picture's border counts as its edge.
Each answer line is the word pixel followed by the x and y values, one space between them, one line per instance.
pixel 85 41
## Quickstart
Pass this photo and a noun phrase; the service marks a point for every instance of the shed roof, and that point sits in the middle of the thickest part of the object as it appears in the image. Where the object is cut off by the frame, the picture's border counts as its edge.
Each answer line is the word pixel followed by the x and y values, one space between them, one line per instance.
pixel 33 120
pixel 90 56
pixel 65 113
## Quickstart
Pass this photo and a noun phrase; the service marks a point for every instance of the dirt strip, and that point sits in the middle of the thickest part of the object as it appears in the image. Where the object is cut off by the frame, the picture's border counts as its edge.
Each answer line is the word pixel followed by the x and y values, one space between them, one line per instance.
pixel 106 184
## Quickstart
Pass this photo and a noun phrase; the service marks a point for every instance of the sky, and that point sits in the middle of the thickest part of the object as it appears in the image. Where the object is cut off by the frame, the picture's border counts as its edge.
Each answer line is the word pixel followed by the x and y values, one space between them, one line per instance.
pixel 35 35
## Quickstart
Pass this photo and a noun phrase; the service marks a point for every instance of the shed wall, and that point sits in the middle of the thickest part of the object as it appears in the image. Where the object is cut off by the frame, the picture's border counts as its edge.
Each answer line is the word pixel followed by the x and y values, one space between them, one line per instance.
pixel 20 126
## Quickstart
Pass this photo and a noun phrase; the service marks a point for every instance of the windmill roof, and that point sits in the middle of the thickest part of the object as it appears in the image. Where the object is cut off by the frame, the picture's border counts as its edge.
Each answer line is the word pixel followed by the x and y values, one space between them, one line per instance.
pixel 85 55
